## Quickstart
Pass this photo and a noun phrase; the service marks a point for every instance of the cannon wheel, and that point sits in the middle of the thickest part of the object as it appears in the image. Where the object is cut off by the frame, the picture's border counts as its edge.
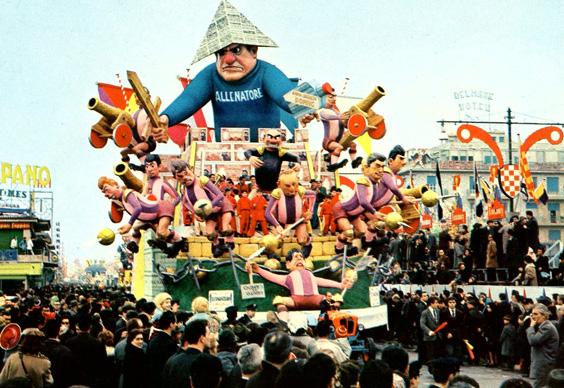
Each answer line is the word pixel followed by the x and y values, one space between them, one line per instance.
pixel 378 131
pixel 357 124
pixel 122 135
pixel 96 140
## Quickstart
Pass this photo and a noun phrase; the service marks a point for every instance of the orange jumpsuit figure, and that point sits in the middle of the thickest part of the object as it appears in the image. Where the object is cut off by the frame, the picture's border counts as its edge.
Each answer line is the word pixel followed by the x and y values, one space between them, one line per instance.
pixel 229 197
pixel 327 212
pixel 244 213
pixel 258 207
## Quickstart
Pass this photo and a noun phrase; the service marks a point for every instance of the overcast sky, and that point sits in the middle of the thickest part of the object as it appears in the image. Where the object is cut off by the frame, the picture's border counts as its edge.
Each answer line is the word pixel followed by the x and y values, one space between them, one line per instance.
pixel 421 52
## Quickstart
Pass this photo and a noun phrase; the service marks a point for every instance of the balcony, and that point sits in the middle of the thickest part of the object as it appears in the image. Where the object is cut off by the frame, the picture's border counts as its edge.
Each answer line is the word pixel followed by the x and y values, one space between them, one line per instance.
pixel 38 256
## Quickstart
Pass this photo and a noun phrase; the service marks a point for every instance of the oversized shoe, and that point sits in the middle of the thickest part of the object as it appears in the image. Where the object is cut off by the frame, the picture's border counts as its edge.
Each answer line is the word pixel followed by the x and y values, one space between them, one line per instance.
pixel 335 166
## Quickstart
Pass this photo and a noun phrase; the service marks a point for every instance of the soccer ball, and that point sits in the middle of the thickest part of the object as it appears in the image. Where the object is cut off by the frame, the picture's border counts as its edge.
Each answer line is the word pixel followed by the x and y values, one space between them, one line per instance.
pixel 203 208
pixel 106 236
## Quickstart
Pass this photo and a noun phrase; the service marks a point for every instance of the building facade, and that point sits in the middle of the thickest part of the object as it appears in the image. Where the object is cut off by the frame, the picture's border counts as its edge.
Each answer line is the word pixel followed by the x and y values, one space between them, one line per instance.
pixel 546 162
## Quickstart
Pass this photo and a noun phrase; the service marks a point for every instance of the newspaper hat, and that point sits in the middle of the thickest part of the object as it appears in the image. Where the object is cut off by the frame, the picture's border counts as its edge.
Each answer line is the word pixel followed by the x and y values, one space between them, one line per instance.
pixel 230 26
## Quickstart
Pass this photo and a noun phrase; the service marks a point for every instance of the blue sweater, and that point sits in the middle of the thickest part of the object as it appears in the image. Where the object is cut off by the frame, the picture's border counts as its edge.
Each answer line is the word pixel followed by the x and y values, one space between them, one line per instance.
pixel 252 102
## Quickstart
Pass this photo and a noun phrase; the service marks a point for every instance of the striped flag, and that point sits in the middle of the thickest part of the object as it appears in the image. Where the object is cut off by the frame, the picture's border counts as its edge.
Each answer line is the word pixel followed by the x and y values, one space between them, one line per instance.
pixel 525 171
pixel 540 194
pixel 476 181
pixel 486 190
pixel 440 184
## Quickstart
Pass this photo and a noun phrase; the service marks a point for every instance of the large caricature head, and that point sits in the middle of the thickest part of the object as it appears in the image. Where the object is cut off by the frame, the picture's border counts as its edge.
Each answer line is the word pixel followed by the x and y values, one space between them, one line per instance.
pixel 288 183
pixel 152 164
pixel 181 172
pixel 235 61
pixel 109 187
pixel 396 159
pixel 374 167
pixel 295 260
pixel 273 139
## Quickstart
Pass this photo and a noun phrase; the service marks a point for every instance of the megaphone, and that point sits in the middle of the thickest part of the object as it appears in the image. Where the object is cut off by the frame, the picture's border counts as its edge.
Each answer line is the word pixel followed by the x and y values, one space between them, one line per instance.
pixel 10 336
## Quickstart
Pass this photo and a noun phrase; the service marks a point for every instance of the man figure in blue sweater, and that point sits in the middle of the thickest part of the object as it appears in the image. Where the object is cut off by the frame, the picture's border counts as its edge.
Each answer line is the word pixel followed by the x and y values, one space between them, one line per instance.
pixel 245 92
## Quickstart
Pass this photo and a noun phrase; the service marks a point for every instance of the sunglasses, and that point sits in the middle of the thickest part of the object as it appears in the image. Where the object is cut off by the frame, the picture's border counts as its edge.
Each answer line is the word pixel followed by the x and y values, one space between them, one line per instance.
pixel 236 50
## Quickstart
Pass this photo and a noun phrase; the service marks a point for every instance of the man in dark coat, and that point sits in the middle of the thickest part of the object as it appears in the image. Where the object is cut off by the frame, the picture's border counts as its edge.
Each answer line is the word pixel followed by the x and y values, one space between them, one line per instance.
pixel 176 371
pixel 277 350
pixel 452 332
pixel 60 356
pixel 532 230
pixel 543 338
pixel 161 347
pixel 89 355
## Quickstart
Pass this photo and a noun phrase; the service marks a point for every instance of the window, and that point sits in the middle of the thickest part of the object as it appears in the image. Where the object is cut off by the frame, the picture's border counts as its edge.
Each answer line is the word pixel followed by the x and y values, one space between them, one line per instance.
pixel 552 184
pixel 501 139
pixel 531 205
pixel 561 156
pixel 471 158
pixel 454 157
pixel 553 206
pixel 432 181
pixel 463 158
pixel 487 159
pixel 540 156
pixel 471 187
pixel 535 181
pixel 553 235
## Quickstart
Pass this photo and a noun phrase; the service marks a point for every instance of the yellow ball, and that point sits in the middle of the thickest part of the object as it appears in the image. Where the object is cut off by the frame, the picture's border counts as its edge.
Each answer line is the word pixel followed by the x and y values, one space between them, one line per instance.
pixel 270 242
pixel 203 208
pixel 429 198
pixel 272 264
pixel 393 220
pixel 106 236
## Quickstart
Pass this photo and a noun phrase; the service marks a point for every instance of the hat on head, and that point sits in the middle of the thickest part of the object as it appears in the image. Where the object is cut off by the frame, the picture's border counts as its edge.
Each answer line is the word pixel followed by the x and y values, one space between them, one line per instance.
pixel 231 310
pixel 227 339
pixel 230 26
pixel 252 307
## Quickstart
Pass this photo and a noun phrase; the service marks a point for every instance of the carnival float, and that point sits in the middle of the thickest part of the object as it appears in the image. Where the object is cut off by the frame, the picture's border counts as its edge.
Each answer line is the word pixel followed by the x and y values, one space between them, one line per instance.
pixel 180 222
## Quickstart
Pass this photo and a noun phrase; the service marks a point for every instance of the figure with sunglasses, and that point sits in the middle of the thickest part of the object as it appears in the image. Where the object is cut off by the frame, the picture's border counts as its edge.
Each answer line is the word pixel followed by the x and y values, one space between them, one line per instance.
pixel 267 160
pixel 245 92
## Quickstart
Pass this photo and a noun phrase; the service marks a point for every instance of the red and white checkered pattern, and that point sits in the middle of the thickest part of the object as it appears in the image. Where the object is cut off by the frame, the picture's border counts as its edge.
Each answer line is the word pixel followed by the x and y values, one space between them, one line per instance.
pixel 510 179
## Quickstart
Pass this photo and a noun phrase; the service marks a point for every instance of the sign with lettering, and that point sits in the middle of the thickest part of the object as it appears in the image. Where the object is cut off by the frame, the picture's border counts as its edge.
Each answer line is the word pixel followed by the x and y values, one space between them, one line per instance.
pixel 34 176
pixel 426 221
pixel 252 291
pixel 219 300
pixel 496 210
pixel 374 296
pixel 303 99
pixel 14 225
pixel 458 217
pixel 473 101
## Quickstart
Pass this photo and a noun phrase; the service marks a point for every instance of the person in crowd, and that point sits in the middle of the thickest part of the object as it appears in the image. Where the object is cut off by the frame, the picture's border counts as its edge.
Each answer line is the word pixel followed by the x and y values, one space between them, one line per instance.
pixel 249 362
pixel 205 372
pixel 195 340
pixel 161 347
pixel 443 371
pixel 376 374
pixel 277 349
pixel 507 342
pixel 60 356
pixel 28 362
pixel 543 338
pixel 135 361
pixel 429 321
pixel 397 359
pixel 89 354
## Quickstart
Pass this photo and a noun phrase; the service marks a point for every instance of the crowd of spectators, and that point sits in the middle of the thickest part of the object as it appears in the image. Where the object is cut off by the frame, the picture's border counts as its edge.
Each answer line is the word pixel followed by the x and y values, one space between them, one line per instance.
pixel 493 253
pixel 75 336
